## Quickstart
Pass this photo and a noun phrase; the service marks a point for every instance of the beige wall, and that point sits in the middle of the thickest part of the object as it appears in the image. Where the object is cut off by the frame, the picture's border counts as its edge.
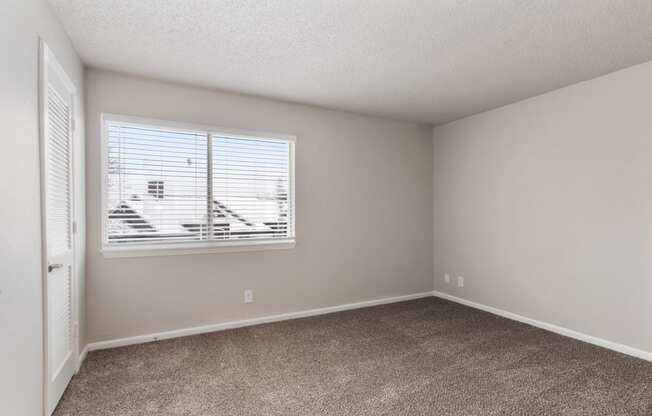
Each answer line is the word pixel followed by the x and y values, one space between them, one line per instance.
pixel 21 348
pixel 545 207
pixel 364 216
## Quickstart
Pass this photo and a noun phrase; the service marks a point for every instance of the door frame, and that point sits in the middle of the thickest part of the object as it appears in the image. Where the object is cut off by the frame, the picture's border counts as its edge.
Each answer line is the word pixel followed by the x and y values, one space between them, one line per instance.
pixel 47 60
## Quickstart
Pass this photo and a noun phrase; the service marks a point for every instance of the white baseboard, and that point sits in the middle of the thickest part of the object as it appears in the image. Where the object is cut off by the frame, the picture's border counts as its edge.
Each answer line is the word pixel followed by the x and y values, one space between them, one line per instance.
pixel 140 339
pixel 635 352
pixel 82 358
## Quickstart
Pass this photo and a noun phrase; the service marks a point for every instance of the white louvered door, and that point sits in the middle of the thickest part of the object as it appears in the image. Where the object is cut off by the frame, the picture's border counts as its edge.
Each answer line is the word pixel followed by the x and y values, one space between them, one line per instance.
pixel 57 164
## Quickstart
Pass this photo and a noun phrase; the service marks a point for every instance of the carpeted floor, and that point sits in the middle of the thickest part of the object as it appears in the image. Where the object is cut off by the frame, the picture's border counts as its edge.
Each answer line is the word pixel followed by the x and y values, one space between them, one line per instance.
pixel 423 357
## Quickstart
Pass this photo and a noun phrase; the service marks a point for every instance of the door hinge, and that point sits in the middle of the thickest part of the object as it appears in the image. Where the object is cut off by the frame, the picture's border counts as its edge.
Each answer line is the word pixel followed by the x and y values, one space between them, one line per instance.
pixel 74 227
pixel 72 123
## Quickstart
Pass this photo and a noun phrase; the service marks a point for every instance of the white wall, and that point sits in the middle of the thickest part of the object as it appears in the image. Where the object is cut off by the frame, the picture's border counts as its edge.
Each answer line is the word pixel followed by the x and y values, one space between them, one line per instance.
pixel 21 348
pixel 545 207
pixel 363 207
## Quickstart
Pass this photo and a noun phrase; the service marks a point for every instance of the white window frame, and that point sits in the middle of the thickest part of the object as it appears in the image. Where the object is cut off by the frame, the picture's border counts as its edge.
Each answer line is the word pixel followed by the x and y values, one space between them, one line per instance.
pixel 200 247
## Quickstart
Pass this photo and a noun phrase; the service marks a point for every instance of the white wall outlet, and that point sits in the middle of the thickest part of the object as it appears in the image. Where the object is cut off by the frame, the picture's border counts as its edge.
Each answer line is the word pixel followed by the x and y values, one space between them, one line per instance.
pixel 248 296
pixel 447 278
pixel 460 281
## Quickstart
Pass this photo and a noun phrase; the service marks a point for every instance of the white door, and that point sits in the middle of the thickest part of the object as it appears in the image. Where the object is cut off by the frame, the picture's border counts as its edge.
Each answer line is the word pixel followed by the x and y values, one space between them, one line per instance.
pixel 57 99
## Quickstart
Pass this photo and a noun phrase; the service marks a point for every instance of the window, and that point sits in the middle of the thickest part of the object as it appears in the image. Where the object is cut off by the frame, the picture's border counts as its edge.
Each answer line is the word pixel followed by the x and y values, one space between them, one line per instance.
pixel 170 189
pixel 155 188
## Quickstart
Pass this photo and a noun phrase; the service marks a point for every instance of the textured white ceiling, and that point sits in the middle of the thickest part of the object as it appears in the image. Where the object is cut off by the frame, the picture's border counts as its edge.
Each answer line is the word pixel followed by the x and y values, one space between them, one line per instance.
pixel 424 60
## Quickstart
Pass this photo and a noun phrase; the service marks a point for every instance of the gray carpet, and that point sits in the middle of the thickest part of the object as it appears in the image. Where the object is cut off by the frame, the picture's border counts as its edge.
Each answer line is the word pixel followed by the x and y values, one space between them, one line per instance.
pixel 423 357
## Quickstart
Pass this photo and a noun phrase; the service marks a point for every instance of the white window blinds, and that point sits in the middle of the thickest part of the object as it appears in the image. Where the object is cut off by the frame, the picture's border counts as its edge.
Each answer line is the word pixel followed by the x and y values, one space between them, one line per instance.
pixel 156 184
pixel 250 188
pixel 167 185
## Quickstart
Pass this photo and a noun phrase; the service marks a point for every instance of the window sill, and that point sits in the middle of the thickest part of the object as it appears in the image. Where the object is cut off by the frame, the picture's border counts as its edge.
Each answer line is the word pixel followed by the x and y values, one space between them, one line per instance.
pixel 194 248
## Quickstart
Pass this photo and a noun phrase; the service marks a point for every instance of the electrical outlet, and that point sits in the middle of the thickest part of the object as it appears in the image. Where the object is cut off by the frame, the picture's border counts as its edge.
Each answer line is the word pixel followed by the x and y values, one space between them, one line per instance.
pixel 460 281
pixel 248 296
pixel 447 278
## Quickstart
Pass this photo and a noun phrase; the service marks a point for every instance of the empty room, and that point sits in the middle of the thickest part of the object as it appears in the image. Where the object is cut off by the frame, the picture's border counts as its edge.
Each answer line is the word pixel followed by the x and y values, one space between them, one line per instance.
pixel 326 207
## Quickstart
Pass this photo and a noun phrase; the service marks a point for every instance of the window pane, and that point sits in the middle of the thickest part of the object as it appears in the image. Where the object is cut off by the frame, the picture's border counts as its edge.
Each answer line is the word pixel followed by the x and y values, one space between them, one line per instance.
pixel 156 184
pixel 251 188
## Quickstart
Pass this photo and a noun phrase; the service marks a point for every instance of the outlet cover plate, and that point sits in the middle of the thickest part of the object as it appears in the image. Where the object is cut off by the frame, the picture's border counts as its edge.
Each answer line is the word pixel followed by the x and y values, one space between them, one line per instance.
pixel 248 296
